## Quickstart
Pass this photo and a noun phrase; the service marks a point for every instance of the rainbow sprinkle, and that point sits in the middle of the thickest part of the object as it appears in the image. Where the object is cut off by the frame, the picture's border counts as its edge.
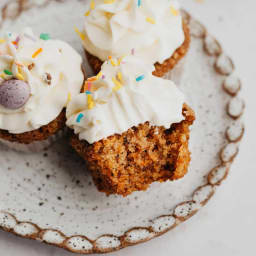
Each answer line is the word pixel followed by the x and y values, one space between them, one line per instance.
pixel 88 92
pixel 87 13
pixel 120 61
pixel 120 77
pixel 109 1
pixel 174 11
pixel 15 44
pixel 45 37
pixel 7 72
pixel 92 5
pixel 118 85
pixel 140 78
pixel 79 118
pixel 37 53
pixel 69 97
pixel 2 41
pixel 82 35
pixel 150 20
pixel 111 61
pixel 89 86
pixel 90 102
pixel 20 76
pixel 99 75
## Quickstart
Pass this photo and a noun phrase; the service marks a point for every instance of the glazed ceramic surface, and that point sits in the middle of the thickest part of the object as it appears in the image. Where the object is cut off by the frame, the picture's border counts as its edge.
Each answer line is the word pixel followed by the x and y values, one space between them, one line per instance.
pixel 49 196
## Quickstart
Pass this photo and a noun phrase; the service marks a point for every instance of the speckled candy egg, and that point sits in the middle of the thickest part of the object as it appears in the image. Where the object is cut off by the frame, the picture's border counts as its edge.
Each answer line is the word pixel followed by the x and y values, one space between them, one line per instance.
pixel 14 94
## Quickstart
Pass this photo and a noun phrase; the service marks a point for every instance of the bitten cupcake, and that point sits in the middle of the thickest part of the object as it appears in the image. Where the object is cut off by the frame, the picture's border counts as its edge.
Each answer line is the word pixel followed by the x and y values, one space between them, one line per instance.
pixel 131 128
pixel 153 30
pixel 38 76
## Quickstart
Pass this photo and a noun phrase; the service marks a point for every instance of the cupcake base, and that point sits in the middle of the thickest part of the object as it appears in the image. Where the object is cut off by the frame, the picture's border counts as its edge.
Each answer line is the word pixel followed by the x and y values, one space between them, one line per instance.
pixel 122 164
pixel 36 140
pixel 33 147
pixel 160 69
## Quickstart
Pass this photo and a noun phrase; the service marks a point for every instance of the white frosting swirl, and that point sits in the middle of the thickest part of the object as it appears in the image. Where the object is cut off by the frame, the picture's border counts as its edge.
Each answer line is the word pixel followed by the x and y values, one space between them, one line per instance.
pixel 124 96
pixel 153 29
pixel 48 97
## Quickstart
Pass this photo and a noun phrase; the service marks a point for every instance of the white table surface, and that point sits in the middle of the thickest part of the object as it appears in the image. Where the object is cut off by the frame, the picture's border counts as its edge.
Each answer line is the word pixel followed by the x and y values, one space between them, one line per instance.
pixel 226 226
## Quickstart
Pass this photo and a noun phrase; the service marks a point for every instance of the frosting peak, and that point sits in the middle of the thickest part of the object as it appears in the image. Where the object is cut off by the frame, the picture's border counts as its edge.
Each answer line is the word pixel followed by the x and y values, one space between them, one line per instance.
pixel 153 28
pixel 124 94
pixel 45 65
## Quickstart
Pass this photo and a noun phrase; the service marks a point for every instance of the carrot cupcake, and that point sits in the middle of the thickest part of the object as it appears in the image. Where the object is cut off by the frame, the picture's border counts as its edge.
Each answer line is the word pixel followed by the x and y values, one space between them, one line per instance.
pixel 153 30
pixel 36 81
pixel 131 127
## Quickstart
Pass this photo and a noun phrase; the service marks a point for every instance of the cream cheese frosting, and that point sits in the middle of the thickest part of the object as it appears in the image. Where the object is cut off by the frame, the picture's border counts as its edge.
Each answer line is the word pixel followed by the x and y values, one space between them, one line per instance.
pixel 153 29
pixel 124 94
pixel 51 68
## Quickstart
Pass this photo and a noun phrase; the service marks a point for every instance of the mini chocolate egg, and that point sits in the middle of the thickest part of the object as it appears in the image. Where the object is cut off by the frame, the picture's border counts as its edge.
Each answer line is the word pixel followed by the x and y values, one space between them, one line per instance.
pixel 14 93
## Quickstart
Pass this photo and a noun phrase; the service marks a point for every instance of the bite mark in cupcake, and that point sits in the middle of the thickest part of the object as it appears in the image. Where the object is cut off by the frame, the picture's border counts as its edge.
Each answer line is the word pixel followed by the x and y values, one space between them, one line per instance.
pixel 137 130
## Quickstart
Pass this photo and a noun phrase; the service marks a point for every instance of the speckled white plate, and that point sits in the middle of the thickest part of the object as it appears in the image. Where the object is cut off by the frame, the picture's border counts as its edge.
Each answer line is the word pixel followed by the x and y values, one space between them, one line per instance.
pixel 50 196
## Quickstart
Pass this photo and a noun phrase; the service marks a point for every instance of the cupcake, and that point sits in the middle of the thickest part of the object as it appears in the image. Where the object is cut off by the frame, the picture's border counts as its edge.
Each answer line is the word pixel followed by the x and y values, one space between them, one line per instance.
pixel 153 30
pixel 37 80
pixel 131 128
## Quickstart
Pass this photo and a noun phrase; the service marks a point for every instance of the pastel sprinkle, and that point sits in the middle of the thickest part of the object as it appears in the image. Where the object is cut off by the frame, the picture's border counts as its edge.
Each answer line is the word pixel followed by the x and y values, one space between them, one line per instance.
pixel 89 86
pixel 111 61
pixel 120 61
pixel 139 3
pixel 82 35
pixel 174 11
pixel 109 1
pixel 45 37
pixel 140 78
pixel 133 51
pixel 7 72
pixel 150 20
pixel 37 53
pixel 99 75
pixel 69 97
pixel 79 118
pixel 2 41
pixel 118 85
pixel 15 43
pixel 17 39
pixel 90 101
pixel 92 4
pixel 103 77
pixel 120 77
pixel 20 77
pixel 87 13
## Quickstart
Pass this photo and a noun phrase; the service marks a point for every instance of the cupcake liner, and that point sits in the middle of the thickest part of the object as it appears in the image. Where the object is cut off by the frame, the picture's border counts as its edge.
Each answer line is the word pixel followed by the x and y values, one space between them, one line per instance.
pixel 36 146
